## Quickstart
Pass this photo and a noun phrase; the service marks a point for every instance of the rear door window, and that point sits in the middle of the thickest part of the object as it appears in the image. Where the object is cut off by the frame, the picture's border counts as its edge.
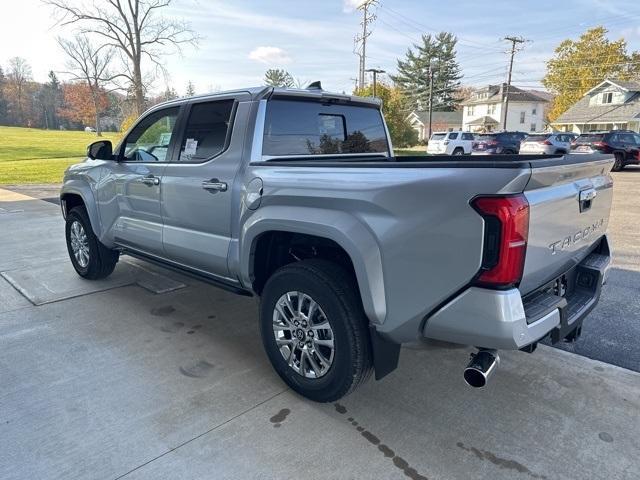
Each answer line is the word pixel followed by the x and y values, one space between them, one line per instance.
pixel 205 135
pixel 467 136
pixel 295 127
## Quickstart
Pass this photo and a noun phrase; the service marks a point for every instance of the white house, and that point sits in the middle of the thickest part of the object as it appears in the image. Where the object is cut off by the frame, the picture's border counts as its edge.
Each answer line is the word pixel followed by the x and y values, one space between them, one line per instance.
pixel 440 122
pixel 610 105
pixel 484 111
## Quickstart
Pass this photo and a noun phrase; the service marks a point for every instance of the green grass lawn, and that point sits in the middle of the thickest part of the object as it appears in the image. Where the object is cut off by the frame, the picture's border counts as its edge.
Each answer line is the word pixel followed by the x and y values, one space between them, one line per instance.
pixel 30 155
pixel 419 151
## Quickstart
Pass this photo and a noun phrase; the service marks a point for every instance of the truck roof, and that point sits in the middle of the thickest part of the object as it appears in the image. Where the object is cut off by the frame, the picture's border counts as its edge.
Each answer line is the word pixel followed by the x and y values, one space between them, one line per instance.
pixel 265 92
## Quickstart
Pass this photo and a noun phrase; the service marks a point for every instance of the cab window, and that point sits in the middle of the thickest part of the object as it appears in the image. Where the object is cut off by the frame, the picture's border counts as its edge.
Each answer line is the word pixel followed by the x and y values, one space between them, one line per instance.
pixel 149 140
pixel 206 131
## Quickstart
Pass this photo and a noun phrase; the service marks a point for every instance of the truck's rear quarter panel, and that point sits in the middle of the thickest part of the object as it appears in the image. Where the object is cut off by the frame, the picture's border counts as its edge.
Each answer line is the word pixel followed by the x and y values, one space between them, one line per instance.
pixel 429 238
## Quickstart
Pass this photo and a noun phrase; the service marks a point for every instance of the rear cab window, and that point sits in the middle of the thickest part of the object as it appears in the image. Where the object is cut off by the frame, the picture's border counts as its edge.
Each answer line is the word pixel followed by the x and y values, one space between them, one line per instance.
pixel 307 127
pixel 438 136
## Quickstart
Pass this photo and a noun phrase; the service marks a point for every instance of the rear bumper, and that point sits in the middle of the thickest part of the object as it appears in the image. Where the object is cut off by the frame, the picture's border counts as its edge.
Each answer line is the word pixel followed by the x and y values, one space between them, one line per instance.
pixel 502 319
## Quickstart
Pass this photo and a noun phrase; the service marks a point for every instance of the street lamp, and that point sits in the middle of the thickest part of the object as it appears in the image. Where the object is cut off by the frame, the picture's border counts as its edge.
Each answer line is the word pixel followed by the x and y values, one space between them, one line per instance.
pixel 375 72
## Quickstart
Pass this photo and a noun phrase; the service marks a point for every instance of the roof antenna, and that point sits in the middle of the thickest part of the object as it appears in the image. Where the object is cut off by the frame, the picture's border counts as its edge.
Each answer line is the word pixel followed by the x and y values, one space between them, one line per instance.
pixel 315 86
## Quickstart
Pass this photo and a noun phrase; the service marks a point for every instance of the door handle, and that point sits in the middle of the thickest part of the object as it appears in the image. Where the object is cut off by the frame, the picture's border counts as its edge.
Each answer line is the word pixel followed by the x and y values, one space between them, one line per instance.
pixel 214 185
pixel 150 180
pixel 586 198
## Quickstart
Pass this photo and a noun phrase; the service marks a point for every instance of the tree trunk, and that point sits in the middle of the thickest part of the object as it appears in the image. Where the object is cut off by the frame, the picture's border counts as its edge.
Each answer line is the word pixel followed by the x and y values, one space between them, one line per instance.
pixel 138 89
pixel 96 107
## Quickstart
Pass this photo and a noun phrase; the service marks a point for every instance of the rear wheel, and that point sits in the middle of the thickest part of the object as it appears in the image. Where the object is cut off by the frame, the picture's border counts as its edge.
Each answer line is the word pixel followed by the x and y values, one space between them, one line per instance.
pixel 314 329
pixel 458 151
pixel 508 152
pixel 90 258
pixel 618 163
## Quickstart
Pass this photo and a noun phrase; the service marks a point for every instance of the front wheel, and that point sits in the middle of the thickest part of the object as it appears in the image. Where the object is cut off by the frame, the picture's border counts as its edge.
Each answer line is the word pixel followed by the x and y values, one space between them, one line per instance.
pixel 314 329
pixel 90 258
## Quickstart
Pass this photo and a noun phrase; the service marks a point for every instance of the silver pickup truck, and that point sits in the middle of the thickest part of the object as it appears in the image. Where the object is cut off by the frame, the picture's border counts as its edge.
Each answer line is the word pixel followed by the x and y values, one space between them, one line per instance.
pixel 296 196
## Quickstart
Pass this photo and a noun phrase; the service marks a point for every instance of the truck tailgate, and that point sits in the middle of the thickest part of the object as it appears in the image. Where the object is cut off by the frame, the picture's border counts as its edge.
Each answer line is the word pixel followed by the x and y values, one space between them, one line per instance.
pixel 569 206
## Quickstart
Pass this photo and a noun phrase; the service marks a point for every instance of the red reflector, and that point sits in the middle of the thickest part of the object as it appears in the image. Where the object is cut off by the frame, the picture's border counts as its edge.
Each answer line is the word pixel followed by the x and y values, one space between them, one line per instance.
pixel 505 240
pixel 547 142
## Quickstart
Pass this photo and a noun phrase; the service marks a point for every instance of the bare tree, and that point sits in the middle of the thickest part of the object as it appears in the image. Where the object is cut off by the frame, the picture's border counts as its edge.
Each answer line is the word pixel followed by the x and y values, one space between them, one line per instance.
pixel 89 64
pixel 19 76
pixel 134 27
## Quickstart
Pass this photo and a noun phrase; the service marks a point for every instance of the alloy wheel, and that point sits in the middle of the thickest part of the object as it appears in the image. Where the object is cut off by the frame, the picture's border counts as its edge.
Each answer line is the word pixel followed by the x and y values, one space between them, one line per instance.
pixel 79 243
pixel 303 334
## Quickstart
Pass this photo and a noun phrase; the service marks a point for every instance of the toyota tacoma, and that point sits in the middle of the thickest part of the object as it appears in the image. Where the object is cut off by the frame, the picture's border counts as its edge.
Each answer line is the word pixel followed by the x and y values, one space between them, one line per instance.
pixel 295 196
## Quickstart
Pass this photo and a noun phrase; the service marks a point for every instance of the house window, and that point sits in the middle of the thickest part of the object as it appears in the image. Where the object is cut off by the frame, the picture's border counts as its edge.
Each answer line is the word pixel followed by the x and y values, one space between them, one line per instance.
pixel 533 127
pixel 491 109
pixel 522 117
pixel 534 111
pixel 470 110
pixel 607 97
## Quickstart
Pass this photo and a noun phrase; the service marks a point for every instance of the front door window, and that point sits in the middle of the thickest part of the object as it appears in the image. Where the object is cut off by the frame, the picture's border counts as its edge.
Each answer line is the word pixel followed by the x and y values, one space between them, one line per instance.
pixel 149 140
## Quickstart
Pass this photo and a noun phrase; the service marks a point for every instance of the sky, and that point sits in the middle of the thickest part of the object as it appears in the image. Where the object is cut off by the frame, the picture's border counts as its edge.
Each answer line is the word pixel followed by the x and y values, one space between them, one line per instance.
pixel 313 39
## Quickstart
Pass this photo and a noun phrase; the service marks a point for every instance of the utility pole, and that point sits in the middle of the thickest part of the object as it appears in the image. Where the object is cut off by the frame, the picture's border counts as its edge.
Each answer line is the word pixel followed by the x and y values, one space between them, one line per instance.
pixel 375 72
pixel 514 41
pixel 430 100
pixel 360 40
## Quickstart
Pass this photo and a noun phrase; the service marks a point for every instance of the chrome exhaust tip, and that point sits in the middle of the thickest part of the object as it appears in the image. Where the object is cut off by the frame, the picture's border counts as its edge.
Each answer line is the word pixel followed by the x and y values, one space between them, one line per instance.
pixel 482 365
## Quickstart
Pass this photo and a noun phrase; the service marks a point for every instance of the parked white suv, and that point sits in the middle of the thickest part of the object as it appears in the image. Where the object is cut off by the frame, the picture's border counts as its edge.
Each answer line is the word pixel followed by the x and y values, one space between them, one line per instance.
pixel 450 143
pixel 546 143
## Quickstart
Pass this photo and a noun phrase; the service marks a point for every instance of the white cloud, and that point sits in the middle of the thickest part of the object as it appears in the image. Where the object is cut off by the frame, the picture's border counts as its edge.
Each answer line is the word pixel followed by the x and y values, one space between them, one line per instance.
pixel 349 6
pixel 270 55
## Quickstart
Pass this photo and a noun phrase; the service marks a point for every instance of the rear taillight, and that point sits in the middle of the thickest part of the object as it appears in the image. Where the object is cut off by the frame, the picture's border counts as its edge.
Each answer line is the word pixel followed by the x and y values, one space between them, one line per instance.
pixel 492 142
pixel 446 142
pixel 600 145
pixel 506 221
pixel 546 142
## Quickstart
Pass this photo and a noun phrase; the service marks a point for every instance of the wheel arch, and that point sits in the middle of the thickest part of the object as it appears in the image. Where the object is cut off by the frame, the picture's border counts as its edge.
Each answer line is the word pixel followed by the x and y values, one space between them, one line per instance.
pixel 77 194
pixel 329 228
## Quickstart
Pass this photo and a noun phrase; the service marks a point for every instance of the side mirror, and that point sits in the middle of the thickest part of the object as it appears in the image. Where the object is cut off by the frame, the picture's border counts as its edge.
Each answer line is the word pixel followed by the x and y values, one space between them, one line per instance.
pixel 100 150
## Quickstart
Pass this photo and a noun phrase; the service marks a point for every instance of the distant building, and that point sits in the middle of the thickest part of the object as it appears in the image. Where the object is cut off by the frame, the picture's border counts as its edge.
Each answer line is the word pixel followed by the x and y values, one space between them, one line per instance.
pixel 484 111
pixel 440 122
pixel 610 105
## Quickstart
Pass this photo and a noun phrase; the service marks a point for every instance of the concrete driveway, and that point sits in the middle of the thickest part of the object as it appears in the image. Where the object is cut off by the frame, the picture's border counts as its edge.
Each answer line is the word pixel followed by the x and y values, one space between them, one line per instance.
pixel 153 375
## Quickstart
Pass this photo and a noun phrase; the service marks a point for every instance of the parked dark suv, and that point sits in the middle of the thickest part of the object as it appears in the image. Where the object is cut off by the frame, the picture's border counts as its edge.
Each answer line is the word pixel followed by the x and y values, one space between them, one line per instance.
pixel 501 142
pixel 623 144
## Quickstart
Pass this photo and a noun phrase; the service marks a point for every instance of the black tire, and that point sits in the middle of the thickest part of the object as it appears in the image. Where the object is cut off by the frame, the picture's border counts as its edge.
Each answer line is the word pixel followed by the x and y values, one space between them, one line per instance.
pixel 102 260
pixel 508 152
pixel 336 293
pixel 618 163
pixel 458 151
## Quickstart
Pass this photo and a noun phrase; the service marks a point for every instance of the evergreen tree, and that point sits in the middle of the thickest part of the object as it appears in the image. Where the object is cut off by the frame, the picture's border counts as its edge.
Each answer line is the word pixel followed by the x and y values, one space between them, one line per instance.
pixel 191 89
pixel 277 77
pixel 413 72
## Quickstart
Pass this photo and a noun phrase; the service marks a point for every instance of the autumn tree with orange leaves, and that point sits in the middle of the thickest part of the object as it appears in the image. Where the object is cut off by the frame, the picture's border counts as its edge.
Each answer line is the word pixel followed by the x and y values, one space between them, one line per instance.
pixel 79 103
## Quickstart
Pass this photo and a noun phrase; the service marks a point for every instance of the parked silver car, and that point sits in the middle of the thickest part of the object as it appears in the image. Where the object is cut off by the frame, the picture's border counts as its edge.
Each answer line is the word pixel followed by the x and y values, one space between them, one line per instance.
pixel 546 143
